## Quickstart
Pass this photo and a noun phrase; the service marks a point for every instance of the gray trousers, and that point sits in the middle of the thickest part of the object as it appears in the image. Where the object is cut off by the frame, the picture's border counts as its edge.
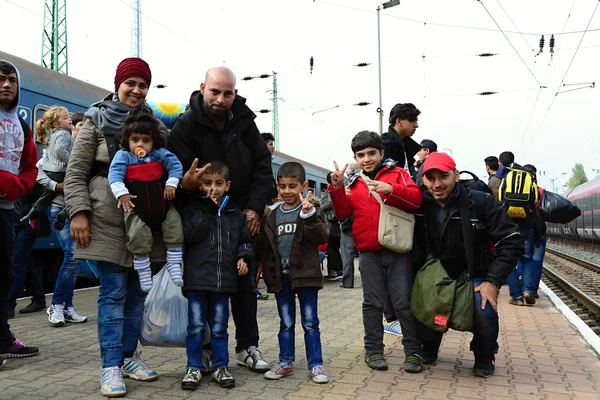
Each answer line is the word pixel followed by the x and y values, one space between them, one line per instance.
pixel 385 273
pixel 347 253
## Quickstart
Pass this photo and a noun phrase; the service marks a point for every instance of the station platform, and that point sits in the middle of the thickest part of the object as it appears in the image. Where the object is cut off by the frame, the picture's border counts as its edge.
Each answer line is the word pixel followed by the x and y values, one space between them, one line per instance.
pixel 541 357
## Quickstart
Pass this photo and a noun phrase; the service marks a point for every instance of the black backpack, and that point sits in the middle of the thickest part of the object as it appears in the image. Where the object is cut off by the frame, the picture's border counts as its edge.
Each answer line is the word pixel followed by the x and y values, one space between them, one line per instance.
pixel 475 183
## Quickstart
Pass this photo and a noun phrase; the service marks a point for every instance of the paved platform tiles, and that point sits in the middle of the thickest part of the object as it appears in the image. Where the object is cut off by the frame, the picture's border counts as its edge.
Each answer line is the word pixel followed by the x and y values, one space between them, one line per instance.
pixel 541 357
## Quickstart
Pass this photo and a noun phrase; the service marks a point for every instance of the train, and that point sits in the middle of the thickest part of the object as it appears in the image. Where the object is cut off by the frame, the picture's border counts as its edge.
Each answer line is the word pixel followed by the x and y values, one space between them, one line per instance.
pixel 587 225
pixel 42 88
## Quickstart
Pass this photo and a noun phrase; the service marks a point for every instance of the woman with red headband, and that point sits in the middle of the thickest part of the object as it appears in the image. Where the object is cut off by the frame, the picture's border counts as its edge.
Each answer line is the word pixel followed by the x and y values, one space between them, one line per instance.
pixel 97 226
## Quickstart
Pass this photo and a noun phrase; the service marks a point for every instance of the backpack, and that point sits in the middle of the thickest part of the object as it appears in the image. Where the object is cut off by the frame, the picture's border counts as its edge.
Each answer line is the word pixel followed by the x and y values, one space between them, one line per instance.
pixel 518 193
pixel 474 183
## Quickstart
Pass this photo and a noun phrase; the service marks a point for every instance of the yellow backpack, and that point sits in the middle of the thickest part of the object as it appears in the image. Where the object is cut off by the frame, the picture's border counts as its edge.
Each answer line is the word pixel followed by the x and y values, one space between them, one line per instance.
pixel 518 192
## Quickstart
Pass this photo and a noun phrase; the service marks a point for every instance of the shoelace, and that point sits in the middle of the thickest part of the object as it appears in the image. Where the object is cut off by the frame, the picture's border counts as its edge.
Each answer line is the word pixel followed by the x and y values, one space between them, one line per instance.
pixel 375 357
pixel 137 357
pixel 193 374
pixel 71 311
pixel 254 352
pixel 224 373
pixel 279 368
pixel 414 358
pixel 17 341
pixel 318 370
pixel 114 376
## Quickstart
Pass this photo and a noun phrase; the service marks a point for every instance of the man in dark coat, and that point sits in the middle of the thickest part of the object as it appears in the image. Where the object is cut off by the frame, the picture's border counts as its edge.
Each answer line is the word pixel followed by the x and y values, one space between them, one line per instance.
pixel 218 125
pixel 398 143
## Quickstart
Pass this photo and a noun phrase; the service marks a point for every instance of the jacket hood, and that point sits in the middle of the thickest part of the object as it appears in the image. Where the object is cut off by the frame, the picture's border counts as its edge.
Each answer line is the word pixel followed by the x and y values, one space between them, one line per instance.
pixel 15 105
pixel 502 172
pixel 238 108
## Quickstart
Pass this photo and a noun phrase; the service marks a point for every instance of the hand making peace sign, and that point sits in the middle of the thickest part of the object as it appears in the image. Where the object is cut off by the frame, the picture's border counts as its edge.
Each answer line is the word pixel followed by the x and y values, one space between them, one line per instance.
pixel 193 177
pixel 337 176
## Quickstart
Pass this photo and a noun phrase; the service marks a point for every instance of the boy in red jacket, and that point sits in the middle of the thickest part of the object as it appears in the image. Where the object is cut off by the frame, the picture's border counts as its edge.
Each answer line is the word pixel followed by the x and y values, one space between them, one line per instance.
pixel 382 270
pixel 17 177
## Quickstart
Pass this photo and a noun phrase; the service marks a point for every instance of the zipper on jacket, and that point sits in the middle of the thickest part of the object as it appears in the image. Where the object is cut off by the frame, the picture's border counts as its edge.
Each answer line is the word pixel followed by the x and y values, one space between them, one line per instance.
pixel 220 242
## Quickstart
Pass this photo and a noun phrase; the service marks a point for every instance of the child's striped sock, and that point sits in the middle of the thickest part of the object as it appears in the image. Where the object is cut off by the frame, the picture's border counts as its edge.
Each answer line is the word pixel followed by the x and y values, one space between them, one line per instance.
pixel 142 266
pixel 174 260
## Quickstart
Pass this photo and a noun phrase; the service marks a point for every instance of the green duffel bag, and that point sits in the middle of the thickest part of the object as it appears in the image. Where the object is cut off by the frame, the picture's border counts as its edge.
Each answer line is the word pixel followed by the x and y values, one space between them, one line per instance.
pixel 439 301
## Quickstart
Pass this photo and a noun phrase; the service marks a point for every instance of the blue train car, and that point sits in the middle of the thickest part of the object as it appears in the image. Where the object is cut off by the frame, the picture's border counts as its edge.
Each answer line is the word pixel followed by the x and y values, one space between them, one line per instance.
pixel 315 175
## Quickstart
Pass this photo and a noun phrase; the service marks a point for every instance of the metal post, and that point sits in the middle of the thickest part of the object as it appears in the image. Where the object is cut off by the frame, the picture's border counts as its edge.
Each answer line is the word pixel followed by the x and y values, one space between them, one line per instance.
pixel 276 112
pixel 380 108
pixel 583 224
pixel 593 231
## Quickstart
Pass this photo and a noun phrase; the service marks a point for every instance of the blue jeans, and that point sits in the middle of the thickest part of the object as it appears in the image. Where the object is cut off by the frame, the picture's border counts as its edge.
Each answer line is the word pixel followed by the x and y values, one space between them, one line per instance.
pixel 485 332
pixel 286 306
pixel 199 303
pixel 7 240
pixel 120 310
pixel 25 273
pixel 67 275
pixel 530 265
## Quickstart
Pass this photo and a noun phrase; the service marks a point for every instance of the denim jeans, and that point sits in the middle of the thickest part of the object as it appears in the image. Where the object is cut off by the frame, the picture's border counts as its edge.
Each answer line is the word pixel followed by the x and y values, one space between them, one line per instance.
pixel 531 264
pixel 244 308
pixel 485 332
pixel 7 240
pixel 120 310
pixel 199 303
pixel 286 306
pixel 67 275
pixel 25 273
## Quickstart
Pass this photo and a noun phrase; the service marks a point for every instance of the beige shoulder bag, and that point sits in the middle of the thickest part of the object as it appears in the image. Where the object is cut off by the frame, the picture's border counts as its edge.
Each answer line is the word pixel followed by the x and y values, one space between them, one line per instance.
pixel 396 227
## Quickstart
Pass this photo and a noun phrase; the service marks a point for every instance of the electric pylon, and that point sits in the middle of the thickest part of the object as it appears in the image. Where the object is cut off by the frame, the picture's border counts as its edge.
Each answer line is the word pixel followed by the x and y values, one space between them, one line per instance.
pixel 275 112
pixel 136 28
pixel 54 39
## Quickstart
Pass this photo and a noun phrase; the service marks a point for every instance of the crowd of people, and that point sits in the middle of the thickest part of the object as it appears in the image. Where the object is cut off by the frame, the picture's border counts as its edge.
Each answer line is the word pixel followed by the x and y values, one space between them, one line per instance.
pixel 119 190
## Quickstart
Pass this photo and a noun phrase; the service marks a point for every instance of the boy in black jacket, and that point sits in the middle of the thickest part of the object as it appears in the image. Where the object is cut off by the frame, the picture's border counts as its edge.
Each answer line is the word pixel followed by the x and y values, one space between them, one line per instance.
pixel 218 249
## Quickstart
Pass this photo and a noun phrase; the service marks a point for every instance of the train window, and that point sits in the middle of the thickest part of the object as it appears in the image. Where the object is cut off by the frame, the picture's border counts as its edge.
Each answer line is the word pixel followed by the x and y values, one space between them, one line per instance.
pixel 312 184
pixel 38 112
pixel 323 187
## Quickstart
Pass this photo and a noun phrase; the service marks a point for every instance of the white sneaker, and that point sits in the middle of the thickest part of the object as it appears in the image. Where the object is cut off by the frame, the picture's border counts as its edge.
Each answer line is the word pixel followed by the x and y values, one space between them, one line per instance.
pixel 137 369
pixel 71 316
pixel 112 384
pixel 393 328
pixel 56 314
pixel 318 374
pixel 252 358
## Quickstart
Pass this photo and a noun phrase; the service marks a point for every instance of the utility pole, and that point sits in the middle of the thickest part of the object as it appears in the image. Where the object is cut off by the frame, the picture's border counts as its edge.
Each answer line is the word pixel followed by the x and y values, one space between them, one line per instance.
pixel 275 112
pixel 136 28
pixel 54 37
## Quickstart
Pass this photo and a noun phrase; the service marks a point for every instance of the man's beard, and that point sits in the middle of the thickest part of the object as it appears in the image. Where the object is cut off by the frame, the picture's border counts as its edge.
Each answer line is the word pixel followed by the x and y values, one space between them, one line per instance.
pixel 219 115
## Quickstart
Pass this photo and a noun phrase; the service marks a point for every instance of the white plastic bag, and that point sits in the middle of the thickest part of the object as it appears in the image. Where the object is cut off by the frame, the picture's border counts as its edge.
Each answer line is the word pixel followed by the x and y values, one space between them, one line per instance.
pixel 165 319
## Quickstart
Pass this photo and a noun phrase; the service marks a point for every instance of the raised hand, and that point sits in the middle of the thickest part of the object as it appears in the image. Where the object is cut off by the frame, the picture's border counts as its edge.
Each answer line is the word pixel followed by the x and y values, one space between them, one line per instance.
pixel 125 202
pixel 380 187
pixel 193 177
pixel 307 206
pixel 337 175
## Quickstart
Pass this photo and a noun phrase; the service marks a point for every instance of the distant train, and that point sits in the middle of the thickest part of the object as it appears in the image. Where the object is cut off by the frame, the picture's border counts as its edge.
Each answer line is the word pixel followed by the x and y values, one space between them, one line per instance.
pixel 587 226
pixel 42 88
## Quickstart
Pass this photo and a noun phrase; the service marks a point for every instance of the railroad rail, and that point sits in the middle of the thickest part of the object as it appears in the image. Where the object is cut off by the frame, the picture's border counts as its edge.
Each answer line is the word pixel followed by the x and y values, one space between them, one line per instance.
pixel 586 307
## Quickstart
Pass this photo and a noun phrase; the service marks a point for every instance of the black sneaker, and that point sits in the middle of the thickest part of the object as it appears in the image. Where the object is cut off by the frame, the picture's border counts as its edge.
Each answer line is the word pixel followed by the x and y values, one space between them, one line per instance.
pixel 61 217
pixel 223 378
pixel 191 380
pixel 376 361
pixel 18 350
pixel 484 367
pixel 33 307
pixel 261 296
pixel 413 364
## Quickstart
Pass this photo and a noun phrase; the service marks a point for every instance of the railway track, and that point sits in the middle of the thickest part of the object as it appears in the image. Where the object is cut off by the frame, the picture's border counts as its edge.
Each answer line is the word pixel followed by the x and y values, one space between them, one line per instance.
pixel 577 283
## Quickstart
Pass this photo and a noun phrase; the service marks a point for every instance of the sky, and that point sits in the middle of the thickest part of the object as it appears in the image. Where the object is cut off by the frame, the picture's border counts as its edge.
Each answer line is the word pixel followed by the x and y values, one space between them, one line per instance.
pixel 428 57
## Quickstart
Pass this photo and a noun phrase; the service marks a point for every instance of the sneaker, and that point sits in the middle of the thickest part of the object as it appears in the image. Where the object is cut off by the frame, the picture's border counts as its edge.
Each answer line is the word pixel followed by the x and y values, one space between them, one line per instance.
pixel 376 361
pixel 207 361
pixel 429 357
pixel 2 362
pixel 318 374
pixel 61 218
pixel 335 276
pixel 393 328
pixel 279 370
pixel 18 350
pixel 251 358
pixel 223 378
pixel 56 314
pixel 33 307
pixel 529 298
pixel 136 369
pixel 413 363
pixel 261 296
pixel 484 367
pixel 517 302
pixel 112 384
pixel 71 316
pixel 191 380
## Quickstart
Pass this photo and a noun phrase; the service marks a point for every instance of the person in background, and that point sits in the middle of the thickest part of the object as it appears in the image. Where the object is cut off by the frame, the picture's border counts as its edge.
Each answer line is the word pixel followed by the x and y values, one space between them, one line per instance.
pixel 334 259
pixel 398 143
pixel 77 120
pixel 18 170
pixel 491 167
pixel 427 147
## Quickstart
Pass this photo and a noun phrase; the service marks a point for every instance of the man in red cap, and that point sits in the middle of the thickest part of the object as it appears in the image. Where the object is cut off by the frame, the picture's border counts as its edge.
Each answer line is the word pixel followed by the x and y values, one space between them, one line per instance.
pixel 438 231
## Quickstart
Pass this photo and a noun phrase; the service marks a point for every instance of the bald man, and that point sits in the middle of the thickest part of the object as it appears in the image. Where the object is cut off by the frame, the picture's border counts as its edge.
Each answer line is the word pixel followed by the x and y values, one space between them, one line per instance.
pixel 219 126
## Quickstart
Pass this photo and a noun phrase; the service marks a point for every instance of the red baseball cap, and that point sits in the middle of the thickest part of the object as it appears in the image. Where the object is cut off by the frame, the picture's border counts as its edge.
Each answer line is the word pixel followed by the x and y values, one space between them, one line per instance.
pixel 440 161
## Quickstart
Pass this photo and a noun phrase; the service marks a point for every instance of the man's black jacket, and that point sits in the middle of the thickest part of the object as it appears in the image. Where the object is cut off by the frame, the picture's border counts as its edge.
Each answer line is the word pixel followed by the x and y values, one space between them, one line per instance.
pixel 394 148
pixel 497 243
pixel 239 145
